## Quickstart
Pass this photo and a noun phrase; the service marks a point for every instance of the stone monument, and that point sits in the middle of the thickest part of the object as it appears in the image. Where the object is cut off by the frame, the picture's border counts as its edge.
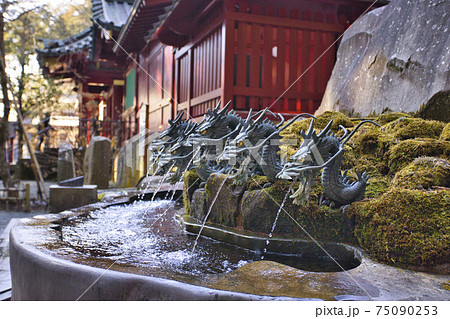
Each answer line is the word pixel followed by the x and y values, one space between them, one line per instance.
pixel 97 162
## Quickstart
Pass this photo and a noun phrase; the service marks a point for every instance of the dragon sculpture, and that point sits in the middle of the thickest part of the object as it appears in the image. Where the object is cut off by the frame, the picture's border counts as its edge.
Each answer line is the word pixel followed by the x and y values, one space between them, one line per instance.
pixel 251 147
pixel 255 150
pixel 325 151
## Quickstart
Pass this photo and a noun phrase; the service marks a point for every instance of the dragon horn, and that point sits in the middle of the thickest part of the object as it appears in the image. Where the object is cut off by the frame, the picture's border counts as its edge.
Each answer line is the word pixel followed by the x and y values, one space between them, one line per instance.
pixel 325 129
pixel 249 117
pixel 295 118
pixel 356 128
pixel 202 121
pixel 310 129
pixel 178 117
pixel 345 132
pixel 225 108
pixel 217 107
pixel 260 117
pixel 289 123
pixel 281 120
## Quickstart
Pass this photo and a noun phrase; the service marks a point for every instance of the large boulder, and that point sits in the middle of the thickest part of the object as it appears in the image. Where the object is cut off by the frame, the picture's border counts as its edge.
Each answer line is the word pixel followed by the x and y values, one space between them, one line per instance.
pixel 396 57
pixel 97 162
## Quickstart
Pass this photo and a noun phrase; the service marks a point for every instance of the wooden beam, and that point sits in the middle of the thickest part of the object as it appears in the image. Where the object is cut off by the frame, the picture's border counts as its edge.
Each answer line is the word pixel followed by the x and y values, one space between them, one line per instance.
pixel 285 22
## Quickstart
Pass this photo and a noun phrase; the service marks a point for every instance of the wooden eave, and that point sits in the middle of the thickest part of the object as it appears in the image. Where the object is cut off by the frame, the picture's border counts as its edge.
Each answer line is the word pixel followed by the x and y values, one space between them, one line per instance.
pixel 145 17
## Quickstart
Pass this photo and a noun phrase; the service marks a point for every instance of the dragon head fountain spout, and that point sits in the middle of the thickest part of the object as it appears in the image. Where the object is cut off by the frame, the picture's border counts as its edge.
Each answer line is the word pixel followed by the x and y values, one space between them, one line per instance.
pixel 324 151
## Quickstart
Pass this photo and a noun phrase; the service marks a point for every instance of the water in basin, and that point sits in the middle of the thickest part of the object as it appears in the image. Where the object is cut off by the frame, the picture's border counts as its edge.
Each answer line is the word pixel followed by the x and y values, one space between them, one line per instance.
pixel 146 238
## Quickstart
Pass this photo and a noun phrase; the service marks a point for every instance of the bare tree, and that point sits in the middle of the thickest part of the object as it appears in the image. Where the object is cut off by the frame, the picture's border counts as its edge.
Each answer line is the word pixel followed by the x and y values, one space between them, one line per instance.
pixel 4 131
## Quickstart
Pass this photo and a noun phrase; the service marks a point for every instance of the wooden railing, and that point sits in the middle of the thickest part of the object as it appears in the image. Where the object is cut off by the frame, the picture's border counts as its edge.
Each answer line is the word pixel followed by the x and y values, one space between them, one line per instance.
pixel 19 196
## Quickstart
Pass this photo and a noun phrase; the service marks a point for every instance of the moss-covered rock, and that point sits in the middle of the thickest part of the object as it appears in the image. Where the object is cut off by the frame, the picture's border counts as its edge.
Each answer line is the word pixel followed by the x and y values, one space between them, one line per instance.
pixel 378 185
pixel 259 210
pixel 424 173
pixel 445 135
pixel 322 120
pixel 224 210
pixel 198 208
pixel 256 182
pixel 405 152
pixel 371 140
pixel 409 128
pixel 390 117
pixel 191 183
pixel 405 227
pixel 367 151
pixel 436 108
pixel 293 131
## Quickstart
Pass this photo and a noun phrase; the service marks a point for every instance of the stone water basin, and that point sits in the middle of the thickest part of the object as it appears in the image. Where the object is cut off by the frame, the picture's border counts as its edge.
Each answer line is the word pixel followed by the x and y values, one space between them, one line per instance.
pixel 141 250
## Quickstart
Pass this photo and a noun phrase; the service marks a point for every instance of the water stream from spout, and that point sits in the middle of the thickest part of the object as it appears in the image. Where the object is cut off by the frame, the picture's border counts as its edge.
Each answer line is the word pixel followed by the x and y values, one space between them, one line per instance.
pixel 209 210
pixel 162 181
pixel 276 220
pixel 174 188
pixel 141 196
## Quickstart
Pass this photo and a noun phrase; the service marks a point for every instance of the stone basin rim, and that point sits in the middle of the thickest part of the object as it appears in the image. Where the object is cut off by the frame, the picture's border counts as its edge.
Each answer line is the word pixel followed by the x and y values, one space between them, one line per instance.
pixel 44 267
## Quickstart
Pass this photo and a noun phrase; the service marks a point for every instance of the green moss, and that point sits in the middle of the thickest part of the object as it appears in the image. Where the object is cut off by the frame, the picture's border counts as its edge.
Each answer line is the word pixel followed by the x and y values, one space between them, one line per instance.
pixel 293 131
pixel 371 140
pixel 390 117
pixel 405 152
pixel 409 128
pixel 322 120
pixel 405 227
pixel 378 185
pixel 436 108
pixel 259 209
pixel 191 183
pixel 256 182
pixel 446 285
pixel 424 173
pixel 222 198
pixel 445 135
pixel 367 151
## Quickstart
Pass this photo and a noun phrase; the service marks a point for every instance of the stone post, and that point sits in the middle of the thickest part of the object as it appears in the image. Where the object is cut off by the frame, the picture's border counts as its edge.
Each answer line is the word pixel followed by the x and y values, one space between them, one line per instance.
pixel 97 162
pixel 66 165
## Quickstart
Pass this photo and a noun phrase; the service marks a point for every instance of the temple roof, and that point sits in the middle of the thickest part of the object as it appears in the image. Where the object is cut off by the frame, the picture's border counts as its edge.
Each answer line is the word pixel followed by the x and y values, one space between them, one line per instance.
pixel 76 43
pixel 145 18
pixel 111 14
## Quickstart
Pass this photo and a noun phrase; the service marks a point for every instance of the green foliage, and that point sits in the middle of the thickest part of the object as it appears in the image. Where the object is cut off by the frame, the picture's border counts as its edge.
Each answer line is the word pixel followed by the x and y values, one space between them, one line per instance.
pixel 423 173
pixel 405 227
pixel 69 20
